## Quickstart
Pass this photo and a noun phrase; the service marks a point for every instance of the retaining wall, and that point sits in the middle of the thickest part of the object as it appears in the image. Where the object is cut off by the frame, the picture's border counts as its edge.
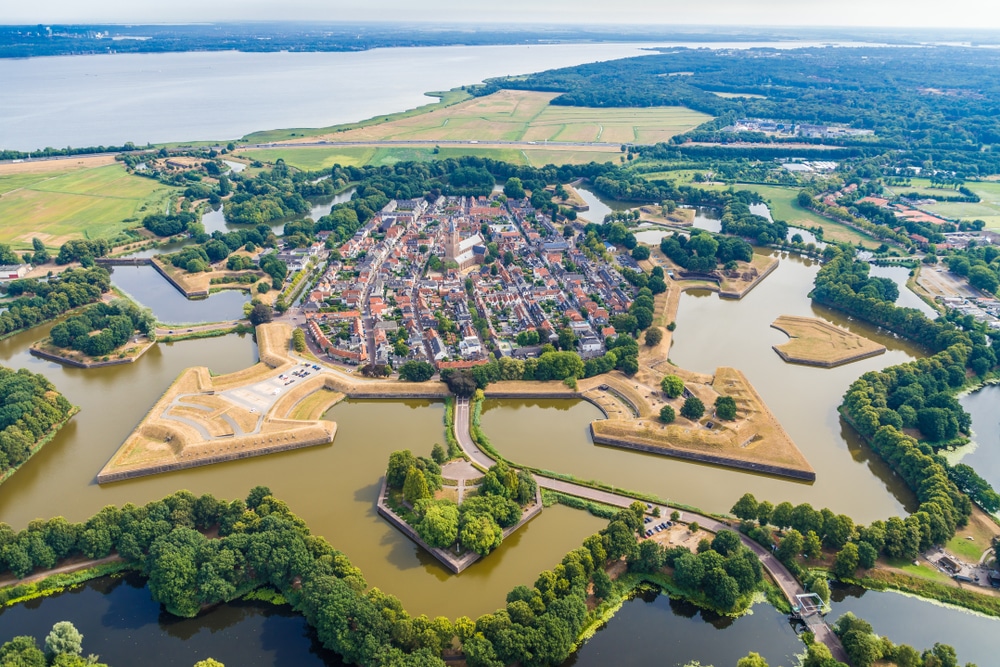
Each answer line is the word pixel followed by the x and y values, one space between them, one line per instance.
pixel 712 459
pixel 454 563
pixel 82 364
pixel 826 364
pixel 106 477
pixel 739 295
pixel 190 295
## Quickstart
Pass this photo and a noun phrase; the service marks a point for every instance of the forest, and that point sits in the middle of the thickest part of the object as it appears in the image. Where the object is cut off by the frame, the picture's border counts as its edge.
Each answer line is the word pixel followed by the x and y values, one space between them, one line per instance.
pixel 915 397
pixel 943 101
pixel 37 301
pixel 102 328
pixel 29 407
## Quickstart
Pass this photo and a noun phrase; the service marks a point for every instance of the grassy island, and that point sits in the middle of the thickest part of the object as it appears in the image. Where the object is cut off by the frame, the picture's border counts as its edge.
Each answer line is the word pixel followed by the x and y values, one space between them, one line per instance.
pixel 817 343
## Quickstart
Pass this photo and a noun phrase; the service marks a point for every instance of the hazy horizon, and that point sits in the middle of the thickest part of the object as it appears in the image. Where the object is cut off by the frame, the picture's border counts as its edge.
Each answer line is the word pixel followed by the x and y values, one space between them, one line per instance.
pixel 725 14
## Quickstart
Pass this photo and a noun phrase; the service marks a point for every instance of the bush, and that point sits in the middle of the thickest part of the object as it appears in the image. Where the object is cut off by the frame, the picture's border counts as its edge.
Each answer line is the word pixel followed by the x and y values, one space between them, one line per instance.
pixel 667 414
pixel 672 386
pixel 725 408
pixel 693 408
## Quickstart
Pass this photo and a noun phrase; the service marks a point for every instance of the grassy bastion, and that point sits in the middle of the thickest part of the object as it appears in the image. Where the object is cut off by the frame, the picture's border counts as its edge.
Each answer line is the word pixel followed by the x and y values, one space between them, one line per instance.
pixel 814 342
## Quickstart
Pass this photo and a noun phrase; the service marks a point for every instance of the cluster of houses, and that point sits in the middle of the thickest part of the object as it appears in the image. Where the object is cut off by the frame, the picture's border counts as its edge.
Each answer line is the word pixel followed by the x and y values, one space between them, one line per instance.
pixel 451 280
pixel 789 129
pixel 983 309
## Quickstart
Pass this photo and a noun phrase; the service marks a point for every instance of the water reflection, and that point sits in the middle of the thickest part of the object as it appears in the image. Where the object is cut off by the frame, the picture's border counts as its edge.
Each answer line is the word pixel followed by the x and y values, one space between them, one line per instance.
pixel 654 629
pixel 150 289
pixel 119 621
pixel 906 619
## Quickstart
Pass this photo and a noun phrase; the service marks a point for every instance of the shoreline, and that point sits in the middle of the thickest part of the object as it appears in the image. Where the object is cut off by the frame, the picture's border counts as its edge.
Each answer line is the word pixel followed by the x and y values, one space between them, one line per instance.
pixel 37 447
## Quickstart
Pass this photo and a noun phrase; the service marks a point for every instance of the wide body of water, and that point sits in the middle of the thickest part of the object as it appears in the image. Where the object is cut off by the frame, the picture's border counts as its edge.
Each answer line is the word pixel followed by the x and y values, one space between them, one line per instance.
pixel 160 97
pixel 334 487
pixel 111 99
pixel 714 332
pixel 148 98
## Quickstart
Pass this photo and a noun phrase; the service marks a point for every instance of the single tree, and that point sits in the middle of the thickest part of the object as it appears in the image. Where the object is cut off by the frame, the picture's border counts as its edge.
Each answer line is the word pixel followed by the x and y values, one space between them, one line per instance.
pixel 261 313
pixel 693 408
pixel 672 386
pixel 415 487
pixel 667 414
pixel 746 507
pixel 64 638
pixel 653 336
pixel 725 408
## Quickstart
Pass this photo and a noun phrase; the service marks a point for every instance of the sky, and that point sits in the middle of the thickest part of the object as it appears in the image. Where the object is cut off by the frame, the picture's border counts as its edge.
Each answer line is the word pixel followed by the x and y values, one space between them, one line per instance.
pixel 878 13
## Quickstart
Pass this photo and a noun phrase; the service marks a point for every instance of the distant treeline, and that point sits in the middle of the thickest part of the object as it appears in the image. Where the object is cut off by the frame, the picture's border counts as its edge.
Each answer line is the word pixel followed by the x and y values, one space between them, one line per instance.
pixel 54 152
pixel 943 102
pixel 53 40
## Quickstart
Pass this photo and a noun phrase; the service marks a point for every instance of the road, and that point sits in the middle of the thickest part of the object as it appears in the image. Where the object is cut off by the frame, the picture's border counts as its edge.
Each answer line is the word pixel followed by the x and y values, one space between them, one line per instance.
pixel 179 330
pixel 782 577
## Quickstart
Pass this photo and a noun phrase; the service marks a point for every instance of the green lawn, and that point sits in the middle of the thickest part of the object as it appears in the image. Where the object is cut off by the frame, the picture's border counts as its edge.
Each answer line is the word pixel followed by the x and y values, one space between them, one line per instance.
pixel 82 203
pixel 987 210
pixel 784 206
pixel 923 186
pixel 925 570
pixel 315 159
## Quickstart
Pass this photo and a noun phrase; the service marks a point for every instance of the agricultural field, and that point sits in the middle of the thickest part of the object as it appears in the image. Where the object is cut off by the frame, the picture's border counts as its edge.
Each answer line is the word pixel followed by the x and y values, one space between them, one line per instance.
pixel 66 201
pixel 526 116
pixel 445 99
pixel 313 159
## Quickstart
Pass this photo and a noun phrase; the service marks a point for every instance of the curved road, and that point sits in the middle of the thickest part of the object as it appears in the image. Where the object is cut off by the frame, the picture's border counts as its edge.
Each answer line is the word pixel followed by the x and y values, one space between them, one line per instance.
pixel 788 584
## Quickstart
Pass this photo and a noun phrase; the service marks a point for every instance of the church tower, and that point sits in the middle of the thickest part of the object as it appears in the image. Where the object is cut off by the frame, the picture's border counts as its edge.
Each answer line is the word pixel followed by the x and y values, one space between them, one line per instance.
pixel 453 247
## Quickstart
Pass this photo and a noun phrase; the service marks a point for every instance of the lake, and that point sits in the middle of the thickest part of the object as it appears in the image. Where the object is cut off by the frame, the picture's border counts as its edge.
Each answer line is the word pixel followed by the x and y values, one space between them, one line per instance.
pixel 111 99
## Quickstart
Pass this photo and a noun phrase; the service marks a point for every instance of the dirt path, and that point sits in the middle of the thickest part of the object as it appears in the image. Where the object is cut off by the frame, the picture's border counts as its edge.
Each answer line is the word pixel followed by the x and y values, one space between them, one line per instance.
pixel 74 566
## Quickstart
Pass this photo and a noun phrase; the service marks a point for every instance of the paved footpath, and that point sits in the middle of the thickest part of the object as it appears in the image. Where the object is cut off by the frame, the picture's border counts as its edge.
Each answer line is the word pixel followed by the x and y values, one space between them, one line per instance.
pixel 788 584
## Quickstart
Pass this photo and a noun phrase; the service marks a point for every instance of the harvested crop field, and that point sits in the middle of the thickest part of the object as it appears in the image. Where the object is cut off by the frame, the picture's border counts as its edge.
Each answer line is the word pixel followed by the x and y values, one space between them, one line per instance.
pixel 514 115
pixel 817 343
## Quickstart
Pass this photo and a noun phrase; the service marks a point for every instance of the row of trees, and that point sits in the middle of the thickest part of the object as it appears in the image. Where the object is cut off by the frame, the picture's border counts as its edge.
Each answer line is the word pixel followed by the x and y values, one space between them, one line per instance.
pixel 914 395
pixel 29 407
pixel 261 543
pixel 37 301
pixel 622 354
